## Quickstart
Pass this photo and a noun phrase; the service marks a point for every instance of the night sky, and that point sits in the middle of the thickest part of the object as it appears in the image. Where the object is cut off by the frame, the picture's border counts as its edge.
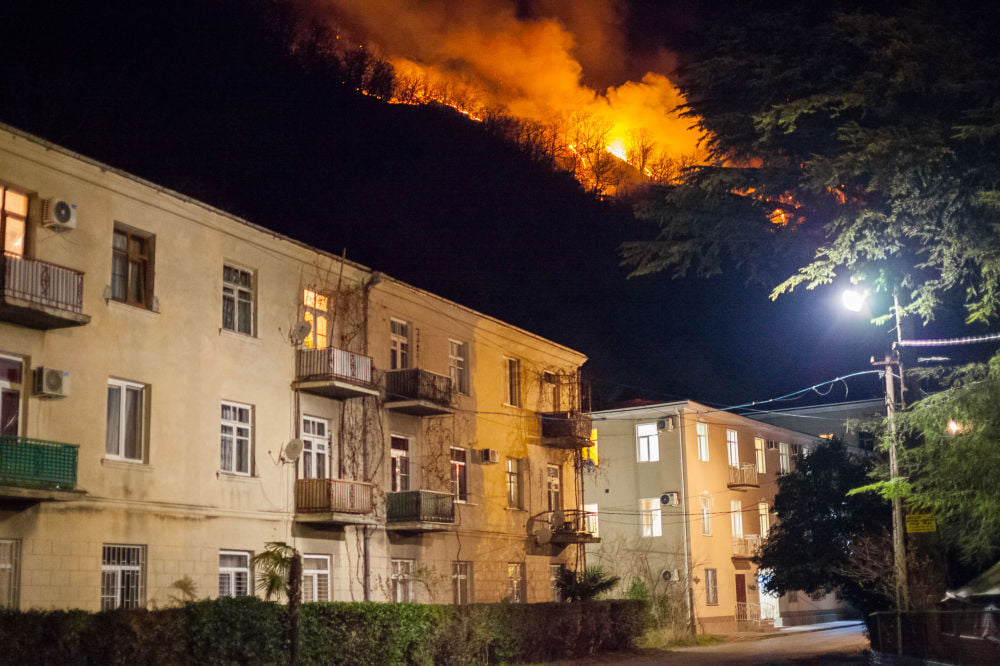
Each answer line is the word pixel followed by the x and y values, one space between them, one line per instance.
pixel 193 95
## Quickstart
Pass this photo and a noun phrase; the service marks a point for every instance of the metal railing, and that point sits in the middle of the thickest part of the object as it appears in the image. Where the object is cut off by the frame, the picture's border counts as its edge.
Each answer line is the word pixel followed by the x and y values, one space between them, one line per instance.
pixel 747 611
pixel 954 637
pixel 568 524
pixel 416 384
pixel 36 463
pixel 566 429
pixel 334 363
pixel 746 546
pixel 744 474
pixel 420 506
pixel 333 495
pixel 42 283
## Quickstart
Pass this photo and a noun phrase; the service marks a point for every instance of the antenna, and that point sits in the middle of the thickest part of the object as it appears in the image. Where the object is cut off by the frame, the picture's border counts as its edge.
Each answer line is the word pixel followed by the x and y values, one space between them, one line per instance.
pixel 543 535
pixel 292 450
pixel 300 332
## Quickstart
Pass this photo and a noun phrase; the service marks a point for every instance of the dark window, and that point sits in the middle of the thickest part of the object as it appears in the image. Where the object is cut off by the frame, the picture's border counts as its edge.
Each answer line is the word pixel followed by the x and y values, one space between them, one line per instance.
pixel 132 267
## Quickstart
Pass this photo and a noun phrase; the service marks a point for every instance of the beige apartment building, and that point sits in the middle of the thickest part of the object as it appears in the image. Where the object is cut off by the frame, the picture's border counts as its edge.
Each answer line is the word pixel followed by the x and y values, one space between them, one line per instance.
pixel 179 387
pixel 683 494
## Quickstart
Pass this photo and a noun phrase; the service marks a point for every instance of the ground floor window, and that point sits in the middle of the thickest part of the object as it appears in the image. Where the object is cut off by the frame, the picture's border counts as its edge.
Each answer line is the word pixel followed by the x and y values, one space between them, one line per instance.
pixel 711 588
pixel 123 576
pixel 554 570
pixel 402 581
pixel 234 573
pixel 461 578
pixel 515 582
pixel 315 578
pixel 10 572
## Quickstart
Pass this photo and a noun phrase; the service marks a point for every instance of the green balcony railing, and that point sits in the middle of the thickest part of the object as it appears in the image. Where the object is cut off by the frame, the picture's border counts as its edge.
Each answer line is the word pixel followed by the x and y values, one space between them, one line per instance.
pixel 420 506
pixel 36 463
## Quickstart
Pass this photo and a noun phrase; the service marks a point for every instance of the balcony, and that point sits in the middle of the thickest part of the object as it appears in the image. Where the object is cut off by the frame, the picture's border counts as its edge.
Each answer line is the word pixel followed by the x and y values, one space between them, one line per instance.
pixel 743 476
pixel 746 546
pixel 40 295
pixel 418 392
pixel 334 373
pixel 419 511
pixel 565 430
pixel 35 470
pixel 334 502
pixel 571 526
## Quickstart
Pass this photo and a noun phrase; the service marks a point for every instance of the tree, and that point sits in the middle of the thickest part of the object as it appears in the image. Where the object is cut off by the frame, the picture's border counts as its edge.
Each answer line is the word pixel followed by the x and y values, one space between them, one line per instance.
pixel 585 585
pixel 848 142
pixel 820 528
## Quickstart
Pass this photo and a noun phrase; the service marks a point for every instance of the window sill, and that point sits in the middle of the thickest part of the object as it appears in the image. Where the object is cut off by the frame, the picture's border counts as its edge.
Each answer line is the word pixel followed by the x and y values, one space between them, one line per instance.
pixel 233 476
pixel 239 336
pixel 134 465
pixel 513 508
pixel 128 307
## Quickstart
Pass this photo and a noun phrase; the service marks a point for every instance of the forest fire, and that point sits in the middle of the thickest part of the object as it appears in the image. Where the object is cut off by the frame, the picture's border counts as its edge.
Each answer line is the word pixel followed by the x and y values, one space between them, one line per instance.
pixel 525 75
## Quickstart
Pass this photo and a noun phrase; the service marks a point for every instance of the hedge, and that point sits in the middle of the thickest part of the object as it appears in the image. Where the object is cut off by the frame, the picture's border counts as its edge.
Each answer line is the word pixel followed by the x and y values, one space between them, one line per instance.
pixel 246 630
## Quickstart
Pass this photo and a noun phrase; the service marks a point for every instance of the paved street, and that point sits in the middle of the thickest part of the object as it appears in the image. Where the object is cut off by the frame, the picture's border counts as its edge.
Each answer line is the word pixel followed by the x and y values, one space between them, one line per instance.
pixel 835 645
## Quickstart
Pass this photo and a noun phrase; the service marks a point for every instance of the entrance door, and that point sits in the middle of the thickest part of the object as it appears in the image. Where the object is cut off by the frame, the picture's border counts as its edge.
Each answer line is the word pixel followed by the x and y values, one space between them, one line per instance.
pixel 741 588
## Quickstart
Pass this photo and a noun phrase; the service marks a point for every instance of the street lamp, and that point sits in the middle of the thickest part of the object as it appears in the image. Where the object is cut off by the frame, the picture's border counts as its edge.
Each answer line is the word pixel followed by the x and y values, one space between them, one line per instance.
pixel 854 301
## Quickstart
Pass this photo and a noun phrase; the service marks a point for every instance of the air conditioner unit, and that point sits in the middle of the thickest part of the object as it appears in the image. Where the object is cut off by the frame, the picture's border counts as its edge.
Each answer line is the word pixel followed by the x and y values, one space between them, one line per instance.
pixel 772 445
pixel 489 456
pixel 58 214
pixel 51 383
pixel 670 575
pixel 670 499
pixel 665 424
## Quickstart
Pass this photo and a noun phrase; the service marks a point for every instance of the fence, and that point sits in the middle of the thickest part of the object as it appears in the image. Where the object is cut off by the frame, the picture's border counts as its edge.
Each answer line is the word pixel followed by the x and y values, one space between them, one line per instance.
pixel 954 637
pixel 42 283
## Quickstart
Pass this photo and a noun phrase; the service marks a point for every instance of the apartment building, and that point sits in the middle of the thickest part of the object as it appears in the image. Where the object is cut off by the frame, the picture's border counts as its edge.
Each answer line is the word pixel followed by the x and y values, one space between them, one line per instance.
pixel 683 496
pixel 181 387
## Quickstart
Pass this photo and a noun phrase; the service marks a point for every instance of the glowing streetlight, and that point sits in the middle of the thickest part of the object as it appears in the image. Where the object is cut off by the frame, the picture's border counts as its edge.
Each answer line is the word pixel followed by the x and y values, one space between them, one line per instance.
pixel 853 300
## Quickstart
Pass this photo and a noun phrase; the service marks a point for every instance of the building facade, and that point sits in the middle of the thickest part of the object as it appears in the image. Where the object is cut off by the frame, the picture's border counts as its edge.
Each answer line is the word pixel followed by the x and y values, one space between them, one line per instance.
pixel 684 494
pixel 181 387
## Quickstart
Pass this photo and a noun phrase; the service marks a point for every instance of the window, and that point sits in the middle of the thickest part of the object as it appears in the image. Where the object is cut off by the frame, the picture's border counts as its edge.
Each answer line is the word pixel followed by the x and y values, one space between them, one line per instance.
pixel 123 576
pixel 784 458
pixel 711 588
pixel 513 382
pixel 315 578
pixel 733 448
pixel 458 365
pixel 132 267
pixel 793 596
pixel 461 582
pixel 649 513
pixel 125 420
pixel 399 344
pixel 236 432
pixel 402 581
pixel 515 582
pixel 736 518
pixel 237 300
pixel 400 451
pixel 317 308
pixel 706 513
pixel 648 442
pixel 765 519
pixel 315 448
pixel 554 571
pixel 553 487
pixel 590 519
pixel 761 452
pixel 11 384
pixel 13 220
pixel 459 480
pixel 10 572
pixel 702 431
pixel 234 573
pixel 514 483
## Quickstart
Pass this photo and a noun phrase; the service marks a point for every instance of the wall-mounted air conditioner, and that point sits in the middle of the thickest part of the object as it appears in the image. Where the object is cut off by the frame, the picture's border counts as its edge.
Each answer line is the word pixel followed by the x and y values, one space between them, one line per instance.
pixel 51 383
pixel 489 456
pixel 58 214
pixel 666 424
pixel 670 575
pixel 670 498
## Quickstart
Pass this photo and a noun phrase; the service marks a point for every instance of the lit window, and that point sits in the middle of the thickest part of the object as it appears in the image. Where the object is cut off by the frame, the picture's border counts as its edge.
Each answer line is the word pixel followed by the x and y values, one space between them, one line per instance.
pixel 13 216
pixel 706 514
pixel 765 519
pixel 513 483
pixel 132 267
pixel 702 431
pixel 234 573
pixel 784 458
pixel 315 578
pixel 123 576
pixel 736 518
pixel 317 315
pixel 461 582
pixel 649 513
pixel 711 588
pixel 553 487
pixel 733 448
pixel 459 480
pixel 237 300
pixel 761 453
pixel 590 519
pixel 515 582
pixel 458 365
pixel 400 452
pixel 315 448
pixel 237 430
pixel 10 572
pixel 648 442
pixel 125 420
pixel 11 385
pixel 513 376
pixel 402 581
pixel 399 344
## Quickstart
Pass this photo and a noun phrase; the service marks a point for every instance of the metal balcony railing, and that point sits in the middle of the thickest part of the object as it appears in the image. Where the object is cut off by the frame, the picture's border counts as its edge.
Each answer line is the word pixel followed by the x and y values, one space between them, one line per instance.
pixel 333 496
pixel 41 283
pixel 747 611
pixel 746 546
pixel 416 384
pixel 423 506
pixel 36 463
pixel 568 525
pixel 334 363
pixel 568 430
pixel 744 474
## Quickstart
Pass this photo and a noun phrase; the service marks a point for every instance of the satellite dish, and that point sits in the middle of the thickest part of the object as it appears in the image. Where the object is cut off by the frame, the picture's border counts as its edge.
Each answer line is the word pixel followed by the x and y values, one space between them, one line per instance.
pixel 300 332
pixel 543 535
pixel 293 449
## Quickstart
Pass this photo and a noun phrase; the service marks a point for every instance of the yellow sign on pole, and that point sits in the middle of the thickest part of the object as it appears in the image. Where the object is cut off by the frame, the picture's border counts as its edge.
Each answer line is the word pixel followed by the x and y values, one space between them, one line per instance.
pixel 917 523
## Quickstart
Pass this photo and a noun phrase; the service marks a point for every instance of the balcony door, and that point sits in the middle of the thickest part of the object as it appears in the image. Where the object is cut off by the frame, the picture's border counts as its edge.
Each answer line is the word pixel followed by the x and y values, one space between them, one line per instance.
pixel 553 482
pixel 318 458
pixel 741 588
pixel 10 396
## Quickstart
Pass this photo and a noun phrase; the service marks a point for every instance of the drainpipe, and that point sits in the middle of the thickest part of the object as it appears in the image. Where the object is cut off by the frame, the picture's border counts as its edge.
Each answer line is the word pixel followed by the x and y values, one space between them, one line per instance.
pixel 685 503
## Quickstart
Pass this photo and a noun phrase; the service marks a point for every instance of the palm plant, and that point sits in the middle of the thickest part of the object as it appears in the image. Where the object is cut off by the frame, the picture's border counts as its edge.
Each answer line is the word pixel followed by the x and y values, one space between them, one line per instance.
pixel 278 569
pixel 585 585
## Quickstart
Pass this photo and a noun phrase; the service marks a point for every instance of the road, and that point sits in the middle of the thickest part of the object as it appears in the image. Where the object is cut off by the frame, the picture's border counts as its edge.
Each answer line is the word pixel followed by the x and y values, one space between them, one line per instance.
pixel 840 645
